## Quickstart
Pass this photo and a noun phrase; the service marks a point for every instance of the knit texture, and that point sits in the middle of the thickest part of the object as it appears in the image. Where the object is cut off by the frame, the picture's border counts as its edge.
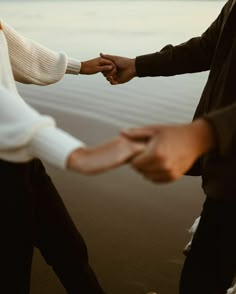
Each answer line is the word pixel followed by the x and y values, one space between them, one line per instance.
pixel 25 134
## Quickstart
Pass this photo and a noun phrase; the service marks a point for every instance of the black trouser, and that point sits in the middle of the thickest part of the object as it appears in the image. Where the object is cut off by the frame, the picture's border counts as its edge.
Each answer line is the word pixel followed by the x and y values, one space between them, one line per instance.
pixel 210 265
pixel 33 214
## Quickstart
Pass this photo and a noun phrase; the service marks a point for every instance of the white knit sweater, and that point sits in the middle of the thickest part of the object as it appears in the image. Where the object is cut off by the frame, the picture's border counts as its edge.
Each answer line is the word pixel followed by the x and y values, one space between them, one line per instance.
pixel 24 133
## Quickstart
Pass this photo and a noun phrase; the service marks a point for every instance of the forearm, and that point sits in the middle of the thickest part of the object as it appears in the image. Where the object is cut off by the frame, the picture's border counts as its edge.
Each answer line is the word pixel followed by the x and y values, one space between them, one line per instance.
pixel 173 60
pixel 192 56
pixel 204 137
pixel 205 141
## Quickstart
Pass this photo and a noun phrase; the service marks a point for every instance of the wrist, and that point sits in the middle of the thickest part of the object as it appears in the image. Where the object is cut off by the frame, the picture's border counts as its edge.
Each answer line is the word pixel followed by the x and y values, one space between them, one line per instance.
pixel 75 159
pixel 204 136
pixel 133 67
pixel 83 67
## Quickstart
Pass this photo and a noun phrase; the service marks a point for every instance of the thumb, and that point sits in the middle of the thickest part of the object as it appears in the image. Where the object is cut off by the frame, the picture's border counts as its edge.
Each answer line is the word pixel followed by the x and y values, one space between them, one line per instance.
pixel 140 134
pixel 105 68
pixel 109 57
pixel 139 147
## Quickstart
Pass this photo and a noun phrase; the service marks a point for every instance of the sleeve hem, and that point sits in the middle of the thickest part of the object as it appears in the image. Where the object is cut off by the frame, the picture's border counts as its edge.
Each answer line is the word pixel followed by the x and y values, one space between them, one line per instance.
pixel 54 146
pixel 73 66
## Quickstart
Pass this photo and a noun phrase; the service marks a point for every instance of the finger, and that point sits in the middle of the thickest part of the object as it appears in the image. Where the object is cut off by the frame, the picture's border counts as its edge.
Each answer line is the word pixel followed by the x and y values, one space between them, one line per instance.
pixel 105 73
pixel 109 57
pixel 123 149
pixel 105 68
pixel 158 178
pixel 113 81
pixel 112 72
pixel 142 162
pixel 161 174
pixel 144 133
pixel 104 61
pixel 137 148
pixel 148 167
pixel 132 152
pixel 109 77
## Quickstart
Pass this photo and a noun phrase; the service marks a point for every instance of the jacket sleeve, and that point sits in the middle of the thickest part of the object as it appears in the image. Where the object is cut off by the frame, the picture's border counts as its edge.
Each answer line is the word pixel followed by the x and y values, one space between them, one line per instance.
pixel 192 56
pixel 33 63
pixel 25 134
pixel 223 122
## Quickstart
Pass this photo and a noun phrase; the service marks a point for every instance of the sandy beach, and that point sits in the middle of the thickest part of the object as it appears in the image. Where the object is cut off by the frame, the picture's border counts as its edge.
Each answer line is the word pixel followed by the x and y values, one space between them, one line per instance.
pixel 135 230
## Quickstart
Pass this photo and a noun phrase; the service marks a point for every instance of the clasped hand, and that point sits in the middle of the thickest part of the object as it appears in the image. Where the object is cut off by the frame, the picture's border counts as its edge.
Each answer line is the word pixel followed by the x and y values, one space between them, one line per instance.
pixel 171 150
pixel 161 153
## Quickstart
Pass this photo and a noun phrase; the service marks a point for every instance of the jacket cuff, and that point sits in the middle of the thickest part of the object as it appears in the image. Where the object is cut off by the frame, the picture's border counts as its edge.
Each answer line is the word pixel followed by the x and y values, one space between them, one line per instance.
pixel 53 145
pixel 156 64
pixel 143 65
pixel 73 66
pixel 223 123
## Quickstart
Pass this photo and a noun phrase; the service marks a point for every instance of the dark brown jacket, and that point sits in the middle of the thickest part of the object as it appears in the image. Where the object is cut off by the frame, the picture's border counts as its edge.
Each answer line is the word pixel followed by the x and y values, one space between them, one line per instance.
pixel 214 50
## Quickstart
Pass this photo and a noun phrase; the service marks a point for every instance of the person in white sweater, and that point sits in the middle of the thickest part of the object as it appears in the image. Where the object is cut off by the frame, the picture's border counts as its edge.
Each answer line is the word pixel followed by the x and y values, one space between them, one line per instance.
pixel 33 214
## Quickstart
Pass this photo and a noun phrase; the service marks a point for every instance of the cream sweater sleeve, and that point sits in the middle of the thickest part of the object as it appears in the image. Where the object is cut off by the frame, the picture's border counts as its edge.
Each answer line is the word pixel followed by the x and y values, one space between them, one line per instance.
pixel 24 133
pixel 33 63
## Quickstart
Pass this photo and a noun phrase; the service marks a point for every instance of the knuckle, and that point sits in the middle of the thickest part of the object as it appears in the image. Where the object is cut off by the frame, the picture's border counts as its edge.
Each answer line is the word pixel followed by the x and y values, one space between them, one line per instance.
pixel 159 155
pixel 172 175
pixel 133 147
pixel 162 161
pixel 168 169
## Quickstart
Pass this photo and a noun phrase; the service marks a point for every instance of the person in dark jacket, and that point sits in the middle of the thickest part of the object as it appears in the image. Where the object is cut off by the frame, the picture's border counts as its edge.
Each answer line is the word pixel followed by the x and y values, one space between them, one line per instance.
pixel 206 146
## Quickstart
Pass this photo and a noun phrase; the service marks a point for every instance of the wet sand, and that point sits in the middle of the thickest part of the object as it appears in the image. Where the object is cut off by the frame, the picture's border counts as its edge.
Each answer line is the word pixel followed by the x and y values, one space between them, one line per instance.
pixel 135 230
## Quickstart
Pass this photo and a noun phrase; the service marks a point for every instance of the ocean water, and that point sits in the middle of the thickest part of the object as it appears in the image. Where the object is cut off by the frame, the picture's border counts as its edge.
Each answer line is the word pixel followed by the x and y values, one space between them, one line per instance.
pixel 83 29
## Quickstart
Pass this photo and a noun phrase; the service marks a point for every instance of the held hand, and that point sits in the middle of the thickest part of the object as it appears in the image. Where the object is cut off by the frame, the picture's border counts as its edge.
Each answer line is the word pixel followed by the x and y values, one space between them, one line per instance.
pixel 125 69
pixel 97 65
pixel 171 150
pixel 104 157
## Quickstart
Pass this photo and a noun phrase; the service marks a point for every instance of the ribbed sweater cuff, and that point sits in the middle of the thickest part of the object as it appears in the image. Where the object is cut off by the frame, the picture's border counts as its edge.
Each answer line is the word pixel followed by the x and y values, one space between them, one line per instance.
pixel 54 146
pixel 73 66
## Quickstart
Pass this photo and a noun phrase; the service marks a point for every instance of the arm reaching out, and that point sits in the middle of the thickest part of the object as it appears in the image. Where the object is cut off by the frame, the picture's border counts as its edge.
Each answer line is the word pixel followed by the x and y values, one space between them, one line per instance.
pixel 24 133
pixel 171 60
pixel 33 63
pixel 104 157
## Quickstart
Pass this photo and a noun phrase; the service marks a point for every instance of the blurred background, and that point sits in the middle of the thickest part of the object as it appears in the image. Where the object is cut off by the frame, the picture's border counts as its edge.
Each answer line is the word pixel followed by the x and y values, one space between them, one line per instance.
pixel 135 230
